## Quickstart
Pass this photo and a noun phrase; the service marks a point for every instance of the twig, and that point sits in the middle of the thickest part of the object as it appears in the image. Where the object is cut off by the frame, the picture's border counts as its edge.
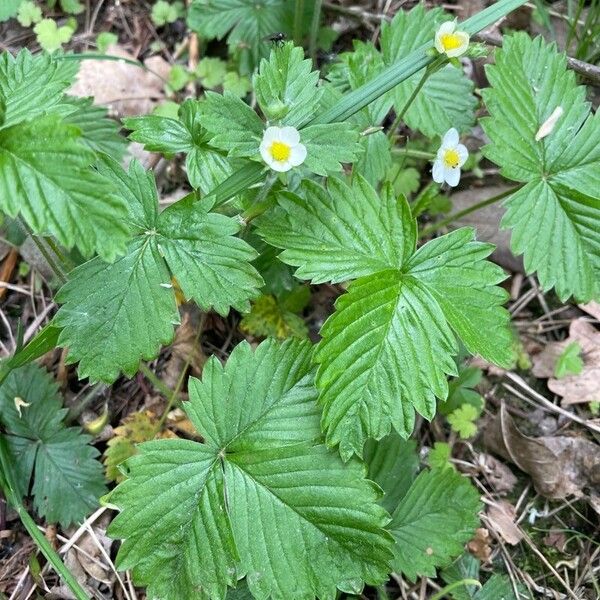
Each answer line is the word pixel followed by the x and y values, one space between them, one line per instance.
pixel 546 403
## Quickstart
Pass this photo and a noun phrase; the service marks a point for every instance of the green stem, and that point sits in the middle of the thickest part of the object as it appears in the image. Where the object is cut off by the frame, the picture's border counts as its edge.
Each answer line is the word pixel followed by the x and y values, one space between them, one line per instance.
pixel 467 211
pixel 7 480
pixel 260 204
pixel 463 582
pixel 432 68
pixel 155 381
pixel 298 21
pixel 63 258
pixel 410 153
pixel 43 251
pixel 314 31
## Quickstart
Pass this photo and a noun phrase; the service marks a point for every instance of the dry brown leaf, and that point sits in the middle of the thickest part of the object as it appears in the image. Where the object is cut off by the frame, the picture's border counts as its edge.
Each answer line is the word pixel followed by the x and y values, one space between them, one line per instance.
pixel 559 466
pixel 479 546
pixel 591 308
pixel 498 474
pixel 123 88
pixel 556 539
pixel 501 516
pixel 574 389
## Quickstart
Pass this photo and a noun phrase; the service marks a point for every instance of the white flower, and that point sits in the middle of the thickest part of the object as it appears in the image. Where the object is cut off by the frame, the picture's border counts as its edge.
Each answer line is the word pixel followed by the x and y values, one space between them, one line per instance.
pixel 281 148
pixel 450 42
pixel 450 158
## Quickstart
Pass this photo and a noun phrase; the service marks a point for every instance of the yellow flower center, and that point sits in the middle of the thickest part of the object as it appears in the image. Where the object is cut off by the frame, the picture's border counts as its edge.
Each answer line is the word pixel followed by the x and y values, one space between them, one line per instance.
pixel 451 158
pixel 451 41
pixel 280 151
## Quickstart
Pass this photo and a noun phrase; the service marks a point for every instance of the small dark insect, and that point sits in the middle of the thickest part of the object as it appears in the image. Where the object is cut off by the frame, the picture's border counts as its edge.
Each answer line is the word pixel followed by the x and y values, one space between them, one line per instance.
pixel 276 38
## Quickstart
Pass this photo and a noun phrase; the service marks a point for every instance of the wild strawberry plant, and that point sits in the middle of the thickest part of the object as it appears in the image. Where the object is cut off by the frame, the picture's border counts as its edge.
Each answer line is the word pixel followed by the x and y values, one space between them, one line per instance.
pixel 301 481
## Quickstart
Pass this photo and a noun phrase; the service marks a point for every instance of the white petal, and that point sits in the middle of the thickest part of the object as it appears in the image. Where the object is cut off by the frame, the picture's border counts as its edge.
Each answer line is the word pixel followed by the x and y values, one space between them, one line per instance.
pixel 438 171
pixel 281 166
pixel 464 45
pixel 463 154
pixel 549 124
pixel 271 134
pixel 452 176
pixel 447 27
pixel 438 43
pixel 265 152
pixel 450 139
pixel 297 155
pixel 289 135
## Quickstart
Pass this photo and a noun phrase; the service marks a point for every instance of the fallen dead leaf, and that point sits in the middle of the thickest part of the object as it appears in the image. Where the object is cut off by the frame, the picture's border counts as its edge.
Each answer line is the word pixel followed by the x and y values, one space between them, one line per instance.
pixel 501 516
pixel 559 466
pixel 479 546
pixel 123 88
pixel 573 389
pixel 591 308
pixel 556 539
pixel 498 474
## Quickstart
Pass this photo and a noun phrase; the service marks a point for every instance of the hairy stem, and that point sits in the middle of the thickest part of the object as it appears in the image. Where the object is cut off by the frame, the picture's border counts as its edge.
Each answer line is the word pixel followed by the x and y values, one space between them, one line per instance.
pixel 44 251
pixel 298 20
pixel 467 211
pixel 314 31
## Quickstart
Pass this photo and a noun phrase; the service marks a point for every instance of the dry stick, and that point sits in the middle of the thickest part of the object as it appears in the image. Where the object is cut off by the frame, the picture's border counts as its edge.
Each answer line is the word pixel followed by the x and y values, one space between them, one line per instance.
pixel 591 72
pixel 546 403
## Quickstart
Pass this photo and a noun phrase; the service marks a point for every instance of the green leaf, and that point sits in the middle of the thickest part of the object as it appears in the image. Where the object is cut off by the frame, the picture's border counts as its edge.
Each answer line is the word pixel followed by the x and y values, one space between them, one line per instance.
pixel 211 72
pixel 259 495
pixel 32 85
pixel 439 456
pixel 206 166
pixel 554 217
pixel 163 12
pixel 28 13
pixel 433 521
pixel 246 23
pixel 327 146
pixel 8 9
pixel 461 391
pixel 388 348
pixel 286 86
pixel 392 464
pixel 98 132
pixel 446 100
pixel 569 362
pixel 234 125
pixel 73 7
pixel 50 36
pixel 114 315
pixel 104 40
pixel 236 85
pixel 46 175
pixel 178 78
pixel 67 478
pixel 462 420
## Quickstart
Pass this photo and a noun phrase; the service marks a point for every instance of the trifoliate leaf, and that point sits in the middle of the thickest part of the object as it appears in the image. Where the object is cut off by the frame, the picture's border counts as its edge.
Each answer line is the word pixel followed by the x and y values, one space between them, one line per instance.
pixel 234 125
pixel 32 85
pixel 114 315
pixel 164 12
pixel 246 23
pixel 439 456
pixel 446 100
pixel 433 521
pixel 211 72
pixel 259 495
pixel 167 109
pixel 460 391
pixel 178 78
pixel 569 362
pixel 388 348
pixel 29 13
pixel 73 7
pixel 277 317
pixel 286 86
pixel 46 176
pixel 392 464
pixel 50 36
pixel 67 478
pixel 554 217
pixel 206 166
pixel 106 39
pixel 98 132
pixel 8 9
pixel 236 84
pixel 462 420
